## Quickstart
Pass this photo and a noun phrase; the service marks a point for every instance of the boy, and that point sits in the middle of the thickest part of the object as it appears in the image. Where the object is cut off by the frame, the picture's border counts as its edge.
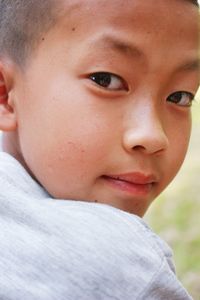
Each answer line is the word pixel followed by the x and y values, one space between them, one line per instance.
pixel 95 106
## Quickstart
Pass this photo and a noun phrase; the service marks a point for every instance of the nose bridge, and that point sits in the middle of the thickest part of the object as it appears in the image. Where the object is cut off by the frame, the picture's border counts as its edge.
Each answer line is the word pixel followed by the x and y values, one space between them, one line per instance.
pixel 145 128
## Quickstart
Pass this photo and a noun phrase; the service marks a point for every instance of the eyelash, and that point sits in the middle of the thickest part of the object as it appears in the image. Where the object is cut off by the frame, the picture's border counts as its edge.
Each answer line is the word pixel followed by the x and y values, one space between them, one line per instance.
pixel 104 79
pixel 186 102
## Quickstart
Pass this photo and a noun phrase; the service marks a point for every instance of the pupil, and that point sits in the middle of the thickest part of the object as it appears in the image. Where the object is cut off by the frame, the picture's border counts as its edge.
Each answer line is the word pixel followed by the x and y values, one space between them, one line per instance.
pixel 104 79
pixel 176 97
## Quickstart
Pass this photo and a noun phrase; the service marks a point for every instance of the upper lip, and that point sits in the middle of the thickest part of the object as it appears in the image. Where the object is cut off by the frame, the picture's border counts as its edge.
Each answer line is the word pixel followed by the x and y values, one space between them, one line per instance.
pixel 134 177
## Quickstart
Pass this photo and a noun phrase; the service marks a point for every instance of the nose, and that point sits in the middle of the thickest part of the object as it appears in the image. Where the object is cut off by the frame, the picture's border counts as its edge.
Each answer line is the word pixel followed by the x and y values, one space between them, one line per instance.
pixel 145 133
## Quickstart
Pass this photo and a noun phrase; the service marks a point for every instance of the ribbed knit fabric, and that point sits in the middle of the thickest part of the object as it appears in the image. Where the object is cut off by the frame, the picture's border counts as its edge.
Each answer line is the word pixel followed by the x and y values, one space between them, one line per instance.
pixel 69 250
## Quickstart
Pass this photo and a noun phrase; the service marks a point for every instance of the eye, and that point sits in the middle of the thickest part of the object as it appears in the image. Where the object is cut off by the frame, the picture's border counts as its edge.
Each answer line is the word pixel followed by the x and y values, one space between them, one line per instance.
pixel 181 98
pixel 109 81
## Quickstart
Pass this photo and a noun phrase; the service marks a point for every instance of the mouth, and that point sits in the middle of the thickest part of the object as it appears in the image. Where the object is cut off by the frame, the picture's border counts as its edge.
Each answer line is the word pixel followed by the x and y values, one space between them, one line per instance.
pixel 137 184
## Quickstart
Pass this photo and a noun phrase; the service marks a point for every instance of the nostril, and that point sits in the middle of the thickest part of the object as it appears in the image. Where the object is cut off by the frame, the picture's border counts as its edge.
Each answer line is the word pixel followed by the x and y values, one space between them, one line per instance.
pixel 138 147
pixel 151 146
pixel 151 139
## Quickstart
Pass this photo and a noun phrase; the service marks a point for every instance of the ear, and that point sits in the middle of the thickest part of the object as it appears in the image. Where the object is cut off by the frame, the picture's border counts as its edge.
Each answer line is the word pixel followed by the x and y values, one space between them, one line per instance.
pixel 8 120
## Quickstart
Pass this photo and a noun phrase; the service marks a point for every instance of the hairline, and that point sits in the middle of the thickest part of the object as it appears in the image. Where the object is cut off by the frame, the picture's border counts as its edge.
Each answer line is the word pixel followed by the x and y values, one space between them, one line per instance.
pixel 31 38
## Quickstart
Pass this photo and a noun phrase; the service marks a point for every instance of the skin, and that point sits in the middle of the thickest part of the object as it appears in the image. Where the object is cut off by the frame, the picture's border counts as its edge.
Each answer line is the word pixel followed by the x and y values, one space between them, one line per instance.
pixel 74 135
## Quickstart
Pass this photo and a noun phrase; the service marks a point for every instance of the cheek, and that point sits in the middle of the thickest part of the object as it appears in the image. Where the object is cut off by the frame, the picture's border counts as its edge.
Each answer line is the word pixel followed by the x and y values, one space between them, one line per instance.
pixel 68 147
pixel 83 149
pixel 72 167
pixel 178 145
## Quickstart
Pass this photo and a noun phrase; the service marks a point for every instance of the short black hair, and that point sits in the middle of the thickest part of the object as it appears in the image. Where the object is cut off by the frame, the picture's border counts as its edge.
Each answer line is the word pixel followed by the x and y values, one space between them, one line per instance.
pixel 22 24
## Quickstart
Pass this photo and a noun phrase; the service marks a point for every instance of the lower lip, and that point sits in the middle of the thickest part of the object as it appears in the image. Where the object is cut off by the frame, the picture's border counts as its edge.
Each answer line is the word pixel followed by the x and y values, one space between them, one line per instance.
pixel 129 187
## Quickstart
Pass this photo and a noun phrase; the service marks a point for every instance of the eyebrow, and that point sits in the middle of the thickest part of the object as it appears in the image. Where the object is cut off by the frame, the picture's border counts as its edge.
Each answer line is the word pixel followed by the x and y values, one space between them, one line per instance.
pixel 125 47
pixel 114 43
pixel 192 65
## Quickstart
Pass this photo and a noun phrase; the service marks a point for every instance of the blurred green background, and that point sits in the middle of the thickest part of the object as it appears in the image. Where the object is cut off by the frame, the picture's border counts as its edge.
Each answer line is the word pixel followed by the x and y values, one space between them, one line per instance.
pixel 175 215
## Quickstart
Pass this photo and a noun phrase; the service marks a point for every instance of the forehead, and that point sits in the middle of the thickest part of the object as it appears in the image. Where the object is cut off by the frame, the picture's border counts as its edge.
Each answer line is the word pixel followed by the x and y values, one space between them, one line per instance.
pixel 165 20
pixel 131 14
pixel 117 8
pixel 158 33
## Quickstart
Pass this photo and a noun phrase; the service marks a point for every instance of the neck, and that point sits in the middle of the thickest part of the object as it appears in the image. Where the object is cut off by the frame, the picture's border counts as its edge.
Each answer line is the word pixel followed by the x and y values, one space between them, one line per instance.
pixel 10 145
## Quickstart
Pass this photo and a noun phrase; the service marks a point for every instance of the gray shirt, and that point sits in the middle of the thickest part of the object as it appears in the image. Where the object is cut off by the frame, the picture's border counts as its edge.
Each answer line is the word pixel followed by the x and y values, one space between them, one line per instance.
pixel 70 250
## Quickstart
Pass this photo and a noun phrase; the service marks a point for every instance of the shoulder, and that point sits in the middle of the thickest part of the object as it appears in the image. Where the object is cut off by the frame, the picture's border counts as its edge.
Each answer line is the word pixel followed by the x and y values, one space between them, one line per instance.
pixel 107 252
pixel 122 250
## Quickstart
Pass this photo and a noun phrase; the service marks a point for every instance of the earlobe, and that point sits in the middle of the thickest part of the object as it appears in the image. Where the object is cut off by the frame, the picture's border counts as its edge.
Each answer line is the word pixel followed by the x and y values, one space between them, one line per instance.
pixel 8 120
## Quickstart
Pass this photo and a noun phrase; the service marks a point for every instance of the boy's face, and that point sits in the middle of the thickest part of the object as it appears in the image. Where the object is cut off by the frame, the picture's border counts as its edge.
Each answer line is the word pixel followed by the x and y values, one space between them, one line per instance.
pixel 103 105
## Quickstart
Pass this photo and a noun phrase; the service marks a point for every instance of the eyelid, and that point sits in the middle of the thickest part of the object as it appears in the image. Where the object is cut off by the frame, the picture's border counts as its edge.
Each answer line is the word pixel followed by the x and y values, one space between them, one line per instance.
pixel 178 103
pixel 120 78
